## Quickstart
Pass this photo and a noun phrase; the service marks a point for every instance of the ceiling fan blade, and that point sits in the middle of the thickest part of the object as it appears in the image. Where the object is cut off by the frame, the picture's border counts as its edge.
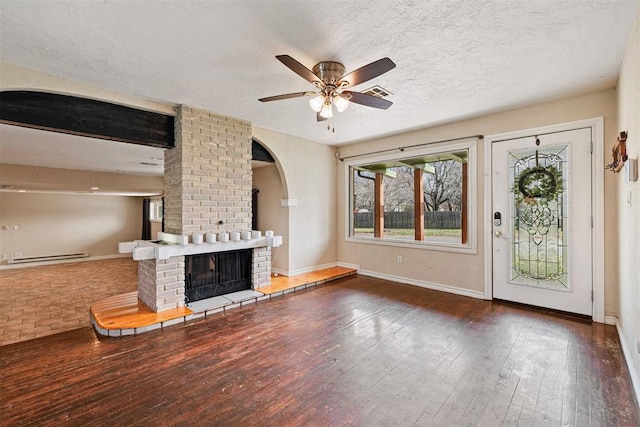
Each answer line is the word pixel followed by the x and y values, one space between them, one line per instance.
pixel 319 118
pixel 298 68
pixel 369 71
pixel 284 96
pixel 368 100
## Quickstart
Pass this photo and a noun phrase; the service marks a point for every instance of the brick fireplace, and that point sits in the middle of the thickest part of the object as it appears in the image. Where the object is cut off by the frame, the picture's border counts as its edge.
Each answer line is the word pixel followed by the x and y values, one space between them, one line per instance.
pixel 208 189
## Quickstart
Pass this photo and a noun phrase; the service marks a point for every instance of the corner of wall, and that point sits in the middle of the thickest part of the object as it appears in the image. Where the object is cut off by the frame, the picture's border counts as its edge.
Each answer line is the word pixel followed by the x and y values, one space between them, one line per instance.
pixel 628 203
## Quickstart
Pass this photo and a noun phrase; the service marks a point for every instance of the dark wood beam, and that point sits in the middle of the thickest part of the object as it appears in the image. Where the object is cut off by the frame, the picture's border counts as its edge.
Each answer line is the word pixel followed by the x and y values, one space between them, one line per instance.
pixel 86 117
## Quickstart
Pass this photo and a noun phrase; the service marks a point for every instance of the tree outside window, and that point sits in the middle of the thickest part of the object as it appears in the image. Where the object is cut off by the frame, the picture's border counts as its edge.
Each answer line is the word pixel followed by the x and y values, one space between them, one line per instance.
pixel 414 198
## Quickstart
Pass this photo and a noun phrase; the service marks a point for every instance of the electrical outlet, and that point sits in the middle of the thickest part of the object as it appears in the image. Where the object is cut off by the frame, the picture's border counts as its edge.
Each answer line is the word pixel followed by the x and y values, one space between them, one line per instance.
pixel 17 255
pixel 15 227
pixel 399 259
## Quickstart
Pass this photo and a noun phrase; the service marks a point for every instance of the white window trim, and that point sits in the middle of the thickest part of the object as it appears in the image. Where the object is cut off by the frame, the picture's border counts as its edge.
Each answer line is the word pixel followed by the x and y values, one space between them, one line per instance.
pixel 472 192
pixel 152 205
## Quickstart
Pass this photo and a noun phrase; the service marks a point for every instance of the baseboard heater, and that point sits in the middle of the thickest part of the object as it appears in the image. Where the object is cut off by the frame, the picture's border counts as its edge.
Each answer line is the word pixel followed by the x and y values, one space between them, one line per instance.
pixel 48 258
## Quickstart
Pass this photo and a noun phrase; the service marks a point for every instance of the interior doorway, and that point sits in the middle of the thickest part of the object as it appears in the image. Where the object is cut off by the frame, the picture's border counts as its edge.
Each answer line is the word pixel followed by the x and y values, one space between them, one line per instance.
pixel 542 234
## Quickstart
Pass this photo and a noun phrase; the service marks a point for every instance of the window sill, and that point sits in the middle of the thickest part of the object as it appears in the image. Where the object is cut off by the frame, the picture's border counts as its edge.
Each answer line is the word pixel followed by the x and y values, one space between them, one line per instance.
pixel 431 246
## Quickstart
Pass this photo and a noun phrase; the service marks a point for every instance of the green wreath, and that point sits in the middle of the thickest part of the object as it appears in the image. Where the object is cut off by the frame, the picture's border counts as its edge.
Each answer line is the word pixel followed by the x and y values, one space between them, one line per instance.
pixel 540 183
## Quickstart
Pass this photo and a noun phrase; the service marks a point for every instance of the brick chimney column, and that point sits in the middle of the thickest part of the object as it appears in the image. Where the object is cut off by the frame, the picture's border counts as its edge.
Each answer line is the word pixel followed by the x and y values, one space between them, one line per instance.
pixel 208 175
pixel 207 179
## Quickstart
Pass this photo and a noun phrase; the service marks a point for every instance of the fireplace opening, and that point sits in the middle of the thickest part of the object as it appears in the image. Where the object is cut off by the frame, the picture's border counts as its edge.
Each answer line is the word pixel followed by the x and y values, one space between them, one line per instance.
pixel 213 274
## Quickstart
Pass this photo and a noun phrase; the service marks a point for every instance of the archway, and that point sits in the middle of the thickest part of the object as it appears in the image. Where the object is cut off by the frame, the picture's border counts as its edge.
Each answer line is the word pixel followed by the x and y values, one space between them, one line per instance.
pixel 271 184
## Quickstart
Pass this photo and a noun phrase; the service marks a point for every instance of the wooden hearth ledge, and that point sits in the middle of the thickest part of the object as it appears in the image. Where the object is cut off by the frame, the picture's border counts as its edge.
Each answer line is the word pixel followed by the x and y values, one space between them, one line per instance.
pixel 126 315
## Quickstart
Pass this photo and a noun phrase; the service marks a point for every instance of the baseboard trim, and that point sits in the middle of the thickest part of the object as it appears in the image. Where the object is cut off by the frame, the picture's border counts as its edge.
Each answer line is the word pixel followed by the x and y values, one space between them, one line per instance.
pixel 347 265
pixel 291 273
pixel 626 350
pixel 610 320
pixel 63 261
pixel 424 284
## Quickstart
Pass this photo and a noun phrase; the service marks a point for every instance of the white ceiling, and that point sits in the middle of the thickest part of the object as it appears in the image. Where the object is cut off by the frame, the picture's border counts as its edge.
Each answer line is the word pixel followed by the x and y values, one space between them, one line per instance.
pixel 455 59
pixel 33 147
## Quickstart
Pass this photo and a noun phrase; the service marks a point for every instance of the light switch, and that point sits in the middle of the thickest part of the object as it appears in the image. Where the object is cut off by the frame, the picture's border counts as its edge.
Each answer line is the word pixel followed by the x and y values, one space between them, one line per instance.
pixel 631 170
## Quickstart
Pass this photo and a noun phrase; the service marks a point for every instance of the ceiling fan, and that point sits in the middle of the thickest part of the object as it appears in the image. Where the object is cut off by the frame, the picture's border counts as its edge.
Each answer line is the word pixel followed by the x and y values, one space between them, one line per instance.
pixel 328 77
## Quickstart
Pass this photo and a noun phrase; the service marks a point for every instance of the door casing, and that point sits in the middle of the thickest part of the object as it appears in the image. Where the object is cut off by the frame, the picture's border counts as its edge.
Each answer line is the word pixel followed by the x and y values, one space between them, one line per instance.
pixel 597 193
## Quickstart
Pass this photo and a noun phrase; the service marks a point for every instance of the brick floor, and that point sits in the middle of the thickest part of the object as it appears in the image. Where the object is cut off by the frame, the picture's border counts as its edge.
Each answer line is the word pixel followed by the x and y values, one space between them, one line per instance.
pixel 46 300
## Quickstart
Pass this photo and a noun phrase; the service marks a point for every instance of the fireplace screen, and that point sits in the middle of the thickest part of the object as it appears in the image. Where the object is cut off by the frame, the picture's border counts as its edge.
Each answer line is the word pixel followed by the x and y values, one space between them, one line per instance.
pixel 210 275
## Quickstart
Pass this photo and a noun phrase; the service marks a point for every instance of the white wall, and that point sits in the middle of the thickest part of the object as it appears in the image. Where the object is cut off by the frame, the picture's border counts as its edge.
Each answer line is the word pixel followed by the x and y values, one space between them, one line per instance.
pixel 310 173
pixel 156 227
pixel 628 218
pixel 55 224
pixel 465 271
pixel 272 216
pixel 70 180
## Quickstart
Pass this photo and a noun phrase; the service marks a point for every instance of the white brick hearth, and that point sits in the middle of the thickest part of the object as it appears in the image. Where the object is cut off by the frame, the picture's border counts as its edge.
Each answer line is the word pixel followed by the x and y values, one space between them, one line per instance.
pixel 161 272
pixel 161 283
pixel 208 182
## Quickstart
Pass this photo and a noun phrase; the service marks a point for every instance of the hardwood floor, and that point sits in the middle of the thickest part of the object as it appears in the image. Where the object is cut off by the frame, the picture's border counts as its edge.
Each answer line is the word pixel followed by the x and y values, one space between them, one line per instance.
pixel 358 351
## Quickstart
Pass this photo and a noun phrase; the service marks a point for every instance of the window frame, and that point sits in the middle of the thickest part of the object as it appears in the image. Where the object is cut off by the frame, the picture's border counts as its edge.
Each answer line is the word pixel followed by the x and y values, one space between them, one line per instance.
pixel 153 207
pixel 470 247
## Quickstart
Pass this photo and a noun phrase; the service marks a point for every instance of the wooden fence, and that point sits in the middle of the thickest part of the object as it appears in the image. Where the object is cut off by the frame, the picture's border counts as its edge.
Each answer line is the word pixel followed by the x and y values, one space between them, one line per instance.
pixel 394 220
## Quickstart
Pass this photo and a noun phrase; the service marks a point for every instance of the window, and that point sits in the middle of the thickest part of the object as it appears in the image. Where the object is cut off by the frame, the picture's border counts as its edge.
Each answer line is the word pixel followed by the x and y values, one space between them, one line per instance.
pixel 155 210
pixel 423 197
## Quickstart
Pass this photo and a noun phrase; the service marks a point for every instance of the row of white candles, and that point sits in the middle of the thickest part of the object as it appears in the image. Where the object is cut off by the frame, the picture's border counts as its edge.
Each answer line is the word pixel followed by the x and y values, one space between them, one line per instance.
pixel 233 236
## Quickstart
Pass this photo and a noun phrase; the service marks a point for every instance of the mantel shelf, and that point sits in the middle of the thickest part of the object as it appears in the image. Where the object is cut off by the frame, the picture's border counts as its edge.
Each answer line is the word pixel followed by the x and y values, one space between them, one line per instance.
pixel 145 249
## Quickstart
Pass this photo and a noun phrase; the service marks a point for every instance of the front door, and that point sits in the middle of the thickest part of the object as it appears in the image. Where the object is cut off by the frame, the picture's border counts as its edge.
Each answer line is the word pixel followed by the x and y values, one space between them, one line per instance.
pixel 542 220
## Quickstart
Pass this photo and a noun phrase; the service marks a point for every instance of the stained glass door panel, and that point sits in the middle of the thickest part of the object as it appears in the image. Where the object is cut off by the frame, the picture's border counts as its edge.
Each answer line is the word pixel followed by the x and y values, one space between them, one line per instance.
pixel 538 217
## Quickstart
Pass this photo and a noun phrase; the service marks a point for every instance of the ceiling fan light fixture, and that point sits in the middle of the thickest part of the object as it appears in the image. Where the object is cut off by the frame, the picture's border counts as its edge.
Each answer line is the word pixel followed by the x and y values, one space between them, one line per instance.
pixel 327 111
pixel 341 103
pixel 317 102
pixel 331 85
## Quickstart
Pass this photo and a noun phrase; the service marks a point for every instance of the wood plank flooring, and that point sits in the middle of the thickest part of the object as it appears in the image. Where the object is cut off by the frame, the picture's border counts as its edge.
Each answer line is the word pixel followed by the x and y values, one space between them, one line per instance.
pixel 358 351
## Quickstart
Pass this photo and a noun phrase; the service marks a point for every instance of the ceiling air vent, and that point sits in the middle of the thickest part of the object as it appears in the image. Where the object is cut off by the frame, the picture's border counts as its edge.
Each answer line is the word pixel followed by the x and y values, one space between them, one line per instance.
pixel 377 91
pixel 149 164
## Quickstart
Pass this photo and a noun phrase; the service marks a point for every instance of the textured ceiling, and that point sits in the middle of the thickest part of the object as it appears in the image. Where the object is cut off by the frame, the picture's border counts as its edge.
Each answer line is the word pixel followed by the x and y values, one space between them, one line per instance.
pixel 455 59
pixel 33 147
